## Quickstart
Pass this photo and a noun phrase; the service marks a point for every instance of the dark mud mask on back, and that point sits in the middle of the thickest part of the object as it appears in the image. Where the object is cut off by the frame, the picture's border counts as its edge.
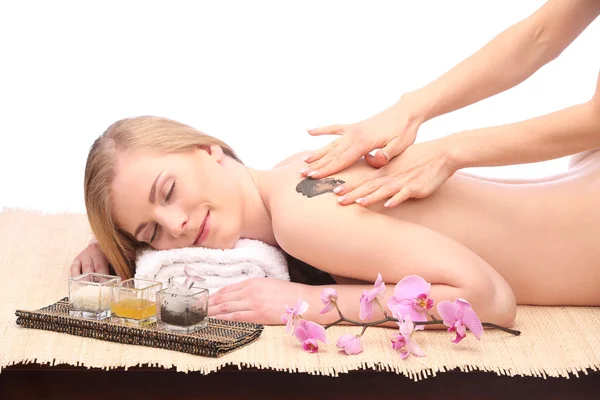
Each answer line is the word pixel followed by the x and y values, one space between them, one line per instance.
pixel 313 187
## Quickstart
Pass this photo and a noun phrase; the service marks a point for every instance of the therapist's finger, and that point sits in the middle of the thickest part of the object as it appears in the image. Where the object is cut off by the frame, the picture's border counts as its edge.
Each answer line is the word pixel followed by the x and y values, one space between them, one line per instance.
pixel 327 130
pixel 320 153
pixel 340 159
pixel 404 194
pixel 359 194
pixel 384 192
pixel 378 160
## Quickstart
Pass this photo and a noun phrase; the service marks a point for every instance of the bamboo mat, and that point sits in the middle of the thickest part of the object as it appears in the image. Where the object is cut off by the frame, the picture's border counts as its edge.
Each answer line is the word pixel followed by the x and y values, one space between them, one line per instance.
pixel 36 251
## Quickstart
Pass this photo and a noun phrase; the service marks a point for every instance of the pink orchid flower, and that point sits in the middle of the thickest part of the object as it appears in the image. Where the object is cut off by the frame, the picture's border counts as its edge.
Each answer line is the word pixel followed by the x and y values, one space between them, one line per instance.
pixel 309 333
pixel 411 297
pixel 290 313
pixel 459 316
pixel 366 300
pixel 191 276
pixel 350 344
pixel 328 296
pixel 403 340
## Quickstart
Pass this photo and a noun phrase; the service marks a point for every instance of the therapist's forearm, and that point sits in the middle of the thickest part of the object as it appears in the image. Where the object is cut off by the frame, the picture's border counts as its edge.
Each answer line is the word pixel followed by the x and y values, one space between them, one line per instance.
pixel 562 133
pixel 508 59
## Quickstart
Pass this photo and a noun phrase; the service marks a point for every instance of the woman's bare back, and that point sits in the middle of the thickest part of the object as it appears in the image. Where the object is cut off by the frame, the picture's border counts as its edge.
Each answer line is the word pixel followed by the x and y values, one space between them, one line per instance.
pixel 541 236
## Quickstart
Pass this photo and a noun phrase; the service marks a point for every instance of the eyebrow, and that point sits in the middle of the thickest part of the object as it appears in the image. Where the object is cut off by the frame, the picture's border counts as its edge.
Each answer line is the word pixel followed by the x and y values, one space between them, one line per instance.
pixel 152 199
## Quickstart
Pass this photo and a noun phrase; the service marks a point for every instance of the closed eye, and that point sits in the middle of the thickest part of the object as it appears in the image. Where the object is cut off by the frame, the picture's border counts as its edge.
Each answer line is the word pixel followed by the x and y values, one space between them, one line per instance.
pixel 154 233
pixel 170 192
pixel 156 226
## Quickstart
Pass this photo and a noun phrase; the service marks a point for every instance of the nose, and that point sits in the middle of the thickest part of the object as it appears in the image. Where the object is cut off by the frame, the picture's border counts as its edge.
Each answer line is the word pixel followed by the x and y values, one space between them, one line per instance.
pixel 172 220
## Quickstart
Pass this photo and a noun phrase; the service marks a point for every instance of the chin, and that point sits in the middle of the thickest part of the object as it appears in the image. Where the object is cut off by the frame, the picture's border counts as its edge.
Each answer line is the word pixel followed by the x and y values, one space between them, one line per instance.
pixel 222 240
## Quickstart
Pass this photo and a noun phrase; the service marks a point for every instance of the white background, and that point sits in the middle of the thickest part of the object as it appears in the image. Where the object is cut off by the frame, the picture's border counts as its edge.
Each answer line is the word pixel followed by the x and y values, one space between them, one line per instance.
pixel 253 73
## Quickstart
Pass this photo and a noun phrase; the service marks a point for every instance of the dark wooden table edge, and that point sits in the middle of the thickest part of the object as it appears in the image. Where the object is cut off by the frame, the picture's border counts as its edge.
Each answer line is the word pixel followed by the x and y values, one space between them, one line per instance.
pixel 37 381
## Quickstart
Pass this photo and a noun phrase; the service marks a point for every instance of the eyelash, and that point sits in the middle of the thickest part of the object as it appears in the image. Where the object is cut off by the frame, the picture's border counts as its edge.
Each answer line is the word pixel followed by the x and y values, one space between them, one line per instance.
pixel 167 197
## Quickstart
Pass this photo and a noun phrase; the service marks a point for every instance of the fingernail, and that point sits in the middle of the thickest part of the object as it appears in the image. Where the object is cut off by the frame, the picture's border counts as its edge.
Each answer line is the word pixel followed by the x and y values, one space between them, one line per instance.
pixel 359 200
pixel 341 199
pixel 385 155
pixel 312 173
pixel 303 170
pixel 306 157
pixel 338 189
pixel 389 203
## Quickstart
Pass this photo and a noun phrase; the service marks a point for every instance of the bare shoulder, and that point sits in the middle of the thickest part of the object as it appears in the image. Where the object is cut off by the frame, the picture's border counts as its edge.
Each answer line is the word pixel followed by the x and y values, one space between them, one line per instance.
pixel 292 158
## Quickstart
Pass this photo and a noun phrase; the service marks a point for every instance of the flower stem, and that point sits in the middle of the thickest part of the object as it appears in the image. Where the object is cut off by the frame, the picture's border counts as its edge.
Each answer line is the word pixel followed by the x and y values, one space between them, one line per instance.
pixel 385 314
pixel 503 329
pixel 486 324
pixel 365 325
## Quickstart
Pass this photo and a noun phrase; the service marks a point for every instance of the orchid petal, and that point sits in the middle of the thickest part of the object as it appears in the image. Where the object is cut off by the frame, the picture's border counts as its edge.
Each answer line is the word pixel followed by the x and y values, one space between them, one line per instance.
pixel 401 311
pixel 458 337
pixel 300 331
pixel 316 331
pixel 471 320
pixel 355 347
pixel 344 340
pixel 192 274
pixel 310 345
pixel 328 294
pixel 301 307
pixel 407 327
pixel 350 343
pixel 379 286
pixel 411 286
pixel 366 308
pixel 289 323
pixel 415 349
pixel 393 303
pixel 379 280
pixel 447 311
pixel 330 306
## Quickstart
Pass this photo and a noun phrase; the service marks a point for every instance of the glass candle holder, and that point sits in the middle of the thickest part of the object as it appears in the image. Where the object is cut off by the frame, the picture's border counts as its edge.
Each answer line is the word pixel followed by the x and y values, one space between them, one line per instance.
pixel 89 295
pixel 133 301
pixel 182 309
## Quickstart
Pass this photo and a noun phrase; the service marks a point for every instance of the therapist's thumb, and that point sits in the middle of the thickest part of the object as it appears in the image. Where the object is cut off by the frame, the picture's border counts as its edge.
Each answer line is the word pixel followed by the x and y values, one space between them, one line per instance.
pixel 384 155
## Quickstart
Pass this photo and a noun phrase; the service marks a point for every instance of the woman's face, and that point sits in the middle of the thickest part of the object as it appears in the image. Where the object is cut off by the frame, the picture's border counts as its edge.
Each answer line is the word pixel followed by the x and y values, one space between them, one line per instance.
pixel 177 200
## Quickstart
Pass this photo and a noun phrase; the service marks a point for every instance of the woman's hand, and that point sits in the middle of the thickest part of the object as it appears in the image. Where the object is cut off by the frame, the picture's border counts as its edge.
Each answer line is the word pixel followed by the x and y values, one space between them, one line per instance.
pixel 91 259
pixel 418 172
pixel 260 300
pixel 391 131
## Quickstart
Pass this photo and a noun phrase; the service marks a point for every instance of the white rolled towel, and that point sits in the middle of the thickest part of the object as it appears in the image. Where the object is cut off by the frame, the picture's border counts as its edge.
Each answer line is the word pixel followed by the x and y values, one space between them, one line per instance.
pixel 248 259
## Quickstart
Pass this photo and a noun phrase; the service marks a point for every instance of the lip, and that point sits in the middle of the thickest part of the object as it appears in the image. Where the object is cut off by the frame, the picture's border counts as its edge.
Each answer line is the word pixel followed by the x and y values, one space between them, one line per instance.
pixel 203 231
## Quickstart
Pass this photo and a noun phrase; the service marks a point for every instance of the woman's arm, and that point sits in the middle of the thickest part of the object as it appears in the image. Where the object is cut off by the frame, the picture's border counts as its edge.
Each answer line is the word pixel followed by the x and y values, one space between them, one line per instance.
pixel 508 59
pixel 358 243
pixel 547 137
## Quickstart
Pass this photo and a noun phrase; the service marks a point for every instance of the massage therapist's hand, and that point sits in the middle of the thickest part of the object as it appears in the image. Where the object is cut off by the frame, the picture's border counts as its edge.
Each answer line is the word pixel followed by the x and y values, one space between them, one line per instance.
pixel 391 131
pixel 418 172
pixel 91 259
pixel 259 300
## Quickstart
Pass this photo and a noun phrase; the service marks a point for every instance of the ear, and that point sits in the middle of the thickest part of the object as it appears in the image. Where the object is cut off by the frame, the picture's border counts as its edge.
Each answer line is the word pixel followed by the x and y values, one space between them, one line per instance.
pixel 214 151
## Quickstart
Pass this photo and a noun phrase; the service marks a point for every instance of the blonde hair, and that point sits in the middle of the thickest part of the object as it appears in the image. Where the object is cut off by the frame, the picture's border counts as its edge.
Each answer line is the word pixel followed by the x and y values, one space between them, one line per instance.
pixel 148 132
